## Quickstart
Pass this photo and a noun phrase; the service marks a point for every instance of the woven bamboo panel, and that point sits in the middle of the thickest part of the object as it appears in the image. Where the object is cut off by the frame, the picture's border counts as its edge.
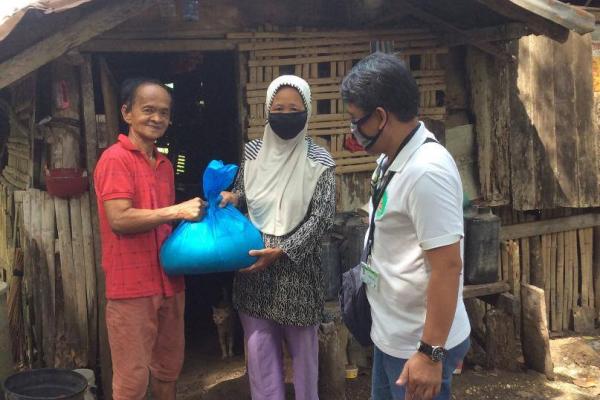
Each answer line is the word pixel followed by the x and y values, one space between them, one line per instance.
pixel 323 58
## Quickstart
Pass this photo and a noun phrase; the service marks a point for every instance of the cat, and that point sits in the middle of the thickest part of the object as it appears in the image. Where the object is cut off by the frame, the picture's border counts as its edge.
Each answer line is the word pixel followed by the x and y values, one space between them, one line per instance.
pixel 224 318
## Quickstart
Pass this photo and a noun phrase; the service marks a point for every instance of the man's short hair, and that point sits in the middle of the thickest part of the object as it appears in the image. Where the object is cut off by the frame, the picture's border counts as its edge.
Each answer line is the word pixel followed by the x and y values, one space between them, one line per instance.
pixel 130 86
pixel 382 80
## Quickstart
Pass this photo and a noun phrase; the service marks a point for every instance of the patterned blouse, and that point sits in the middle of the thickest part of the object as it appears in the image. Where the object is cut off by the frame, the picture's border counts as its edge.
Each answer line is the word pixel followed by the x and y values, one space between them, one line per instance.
pixel 292 290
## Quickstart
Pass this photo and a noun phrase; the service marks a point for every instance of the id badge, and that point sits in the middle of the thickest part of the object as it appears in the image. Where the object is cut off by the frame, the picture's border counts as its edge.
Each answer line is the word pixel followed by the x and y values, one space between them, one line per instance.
pixel 368 275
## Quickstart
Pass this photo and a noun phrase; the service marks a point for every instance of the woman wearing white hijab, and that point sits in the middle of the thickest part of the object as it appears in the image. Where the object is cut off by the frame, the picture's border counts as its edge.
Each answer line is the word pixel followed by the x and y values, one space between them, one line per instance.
pixel 287 184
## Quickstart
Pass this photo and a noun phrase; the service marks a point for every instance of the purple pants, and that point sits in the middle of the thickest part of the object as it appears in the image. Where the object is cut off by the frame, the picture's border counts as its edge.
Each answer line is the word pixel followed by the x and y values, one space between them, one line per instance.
pixel 264 339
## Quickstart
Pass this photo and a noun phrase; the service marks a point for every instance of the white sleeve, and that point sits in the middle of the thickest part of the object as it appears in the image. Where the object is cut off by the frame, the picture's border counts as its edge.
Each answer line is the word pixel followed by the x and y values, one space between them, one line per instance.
pixel 435 207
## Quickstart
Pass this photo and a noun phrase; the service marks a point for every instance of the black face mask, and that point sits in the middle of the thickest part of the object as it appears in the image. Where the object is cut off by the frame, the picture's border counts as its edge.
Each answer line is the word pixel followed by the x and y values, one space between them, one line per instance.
pixel 288 125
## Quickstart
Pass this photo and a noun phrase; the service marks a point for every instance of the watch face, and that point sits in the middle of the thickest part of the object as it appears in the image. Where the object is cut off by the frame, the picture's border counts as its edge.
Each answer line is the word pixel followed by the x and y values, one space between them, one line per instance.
pixel 438 354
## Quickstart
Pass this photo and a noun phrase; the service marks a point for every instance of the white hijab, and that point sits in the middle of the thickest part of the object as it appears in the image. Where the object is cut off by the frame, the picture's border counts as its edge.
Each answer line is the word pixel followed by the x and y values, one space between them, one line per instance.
pixel 280 182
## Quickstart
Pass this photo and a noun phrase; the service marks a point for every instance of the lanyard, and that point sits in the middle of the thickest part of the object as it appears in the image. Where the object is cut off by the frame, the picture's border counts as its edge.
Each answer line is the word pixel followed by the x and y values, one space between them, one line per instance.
pixel 379 189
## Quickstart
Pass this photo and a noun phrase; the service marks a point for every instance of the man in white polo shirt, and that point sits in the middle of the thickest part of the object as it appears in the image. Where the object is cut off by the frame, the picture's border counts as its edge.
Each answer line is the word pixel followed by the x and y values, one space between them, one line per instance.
pixel 414 273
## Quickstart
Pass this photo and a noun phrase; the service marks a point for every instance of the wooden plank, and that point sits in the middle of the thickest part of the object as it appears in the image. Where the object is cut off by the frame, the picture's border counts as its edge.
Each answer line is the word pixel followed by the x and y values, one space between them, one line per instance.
pixel 88 114
pixel 48 240
pixel 566 123
pixel 27 274
pixel 553 259
pixel 522 132
pixel 546 250
pixel 515 267
pixel 36 288
pixel 586 259
pixel 549 226
pixel 504 266
pixel 90 276
pixel 525 261
pixel 67 270
pixel 596 267
pixel 542 116
pixel 568 285
pixel 358 160
pixel 346 169
pixel 576 271
pixel 470 291
pixel 535 338
pixel 70 37
pixel 489 93
pixel 560 280
pixel 80 276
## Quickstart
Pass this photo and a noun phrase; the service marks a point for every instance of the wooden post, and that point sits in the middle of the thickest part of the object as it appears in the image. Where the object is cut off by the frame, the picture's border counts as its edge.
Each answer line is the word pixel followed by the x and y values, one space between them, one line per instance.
pixel 88 113
pixel 500 340
pixel 534 331
pixel 111 101
pixel 332 379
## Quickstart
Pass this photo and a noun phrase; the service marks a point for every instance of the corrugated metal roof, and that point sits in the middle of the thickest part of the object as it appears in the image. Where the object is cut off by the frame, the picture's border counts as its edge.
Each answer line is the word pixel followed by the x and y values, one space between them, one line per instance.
pixel 12 11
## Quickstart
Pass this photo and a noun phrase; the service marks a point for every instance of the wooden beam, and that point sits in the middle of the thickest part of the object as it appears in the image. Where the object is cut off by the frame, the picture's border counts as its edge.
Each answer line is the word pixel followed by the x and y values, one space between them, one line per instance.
pixel 549 226
pixel 440 24
pixel 156 45
pixel 83 30
pixel 88 114
pixel 538 24
pixel 485 289
pixel 509 31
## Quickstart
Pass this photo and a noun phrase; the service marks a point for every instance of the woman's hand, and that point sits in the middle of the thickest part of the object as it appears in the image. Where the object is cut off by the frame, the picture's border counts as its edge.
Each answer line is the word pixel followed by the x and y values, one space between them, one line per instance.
pixel 266 258
pixel 229 198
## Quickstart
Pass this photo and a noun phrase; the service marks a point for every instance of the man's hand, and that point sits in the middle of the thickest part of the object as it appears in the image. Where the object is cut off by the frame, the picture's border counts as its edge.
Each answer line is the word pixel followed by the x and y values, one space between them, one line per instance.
pixel 229 198
pixel 191 210
pixel 266 258
pixel 421 378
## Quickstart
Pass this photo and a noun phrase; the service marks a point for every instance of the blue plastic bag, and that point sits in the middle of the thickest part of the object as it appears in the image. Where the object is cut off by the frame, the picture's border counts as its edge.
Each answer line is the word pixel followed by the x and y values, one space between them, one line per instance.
pixel 220 241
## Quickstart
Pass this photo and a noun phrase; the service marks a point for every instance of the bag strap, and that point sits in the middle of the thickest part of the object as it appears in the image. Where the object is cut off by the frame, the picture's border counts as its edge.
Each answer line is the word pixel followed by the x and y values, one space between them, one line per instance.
pixel 378 195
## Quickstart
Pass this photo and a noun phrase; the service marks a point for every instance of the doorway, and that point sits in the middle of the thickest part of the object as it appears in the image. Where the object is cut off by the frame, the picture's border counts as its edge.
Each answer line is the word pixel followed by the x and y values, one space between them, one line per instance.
pixel 205 126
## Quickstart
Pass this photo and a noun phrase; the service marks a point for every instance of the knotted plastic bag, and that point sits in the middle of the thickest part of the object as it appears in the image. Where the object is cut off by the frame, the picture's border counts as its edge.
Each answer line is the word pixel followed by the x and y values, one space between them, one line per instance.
pixel 217 243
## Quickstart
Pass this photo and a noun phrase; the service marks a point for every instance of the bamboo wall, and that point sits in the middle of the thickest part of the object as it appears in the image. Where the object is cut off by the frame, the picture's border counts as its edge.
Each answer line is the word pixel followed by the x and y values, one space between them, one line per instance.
pixel 566 264
pixel 59 280
pixel 323 58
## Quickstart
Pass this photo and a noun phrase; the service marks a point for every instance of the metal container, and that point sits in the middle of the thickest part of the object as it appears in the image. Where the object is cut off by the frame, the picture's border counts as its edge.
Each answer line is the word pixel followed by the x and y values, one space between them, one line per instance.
pixel 6 362
pixel 45 384
pixel 482 245
pixel 330 265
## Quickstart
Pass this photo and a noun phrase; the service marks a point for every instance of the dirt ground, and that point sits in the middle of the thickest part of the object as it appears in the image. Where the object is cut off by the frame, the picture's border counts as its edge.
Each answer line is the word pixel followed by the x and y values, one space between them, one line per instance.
pixel 576 365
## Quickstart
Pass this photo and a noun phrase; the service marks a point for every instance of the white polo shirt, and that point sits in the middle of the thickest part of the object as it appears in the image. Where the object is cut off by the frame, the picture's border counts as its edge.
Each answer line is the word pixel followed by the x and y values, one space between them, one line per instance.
pixel 421 210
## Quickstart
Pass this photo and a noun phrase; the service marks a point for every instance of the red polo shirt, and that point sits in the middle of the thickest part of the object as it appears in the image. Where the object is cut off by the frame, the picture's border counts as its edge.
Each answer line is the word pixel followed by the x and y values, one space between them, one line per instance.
pixel 131 262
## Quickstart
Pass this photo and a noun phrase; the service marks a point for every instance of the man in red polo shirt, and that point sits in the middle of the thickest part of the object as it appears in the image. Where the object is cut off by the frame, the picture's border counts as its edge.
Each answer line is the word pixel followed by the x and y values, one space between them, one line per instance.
pixel 135 189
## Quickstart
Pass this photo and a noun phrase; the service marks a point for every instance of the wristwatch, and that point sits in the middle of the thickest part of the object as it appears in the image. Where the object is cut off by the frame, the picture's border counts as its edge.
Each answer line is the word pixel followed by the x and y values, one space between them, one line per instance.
pixel 436 353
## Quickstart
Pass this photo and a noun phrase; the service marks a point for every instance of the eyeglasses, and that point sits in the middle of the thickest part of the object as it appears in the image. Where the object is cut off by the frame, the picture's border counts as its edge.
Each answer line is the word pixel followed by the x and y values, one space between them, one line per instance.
pixel 362 120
